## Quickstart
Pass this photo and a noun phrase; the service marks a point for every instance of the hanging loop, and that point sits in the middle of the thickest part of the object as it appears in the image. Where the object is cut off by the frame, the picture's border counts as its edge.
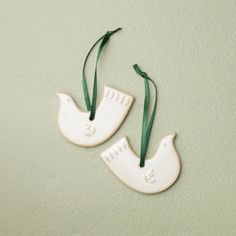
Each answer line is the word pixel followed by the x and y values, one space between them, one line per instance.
pixel 146 125
pixel 91 104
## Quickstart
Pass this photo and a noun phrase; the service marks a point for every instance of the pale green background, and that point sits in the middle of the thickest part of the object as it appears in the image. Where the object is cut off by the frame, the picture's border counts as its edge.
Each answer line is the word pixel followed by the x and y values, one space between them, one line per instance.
pixel 51 187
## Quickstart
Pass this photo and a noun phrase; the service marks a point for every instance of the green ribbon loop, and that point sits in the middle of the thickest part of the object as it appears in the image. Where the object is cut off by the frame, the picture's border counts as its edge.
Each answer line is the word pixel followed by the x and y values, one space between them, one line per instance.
pixel 146 125
pixel 91 105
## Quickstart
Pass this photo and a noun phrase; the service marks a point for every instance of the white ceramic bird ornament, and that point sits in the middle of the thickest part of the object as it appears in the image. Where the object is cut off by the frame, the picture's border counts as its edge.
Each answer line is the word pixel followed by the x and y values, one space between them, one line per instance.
pixel 145 176
pixel 96 125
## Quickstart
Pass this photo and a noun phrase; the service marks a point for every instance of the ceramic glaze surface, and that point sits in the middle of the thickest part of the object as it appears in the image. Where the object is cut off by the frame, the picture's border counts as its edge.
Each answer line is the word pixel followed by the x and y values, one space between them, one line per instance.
pixel 76 127
pixel 158 174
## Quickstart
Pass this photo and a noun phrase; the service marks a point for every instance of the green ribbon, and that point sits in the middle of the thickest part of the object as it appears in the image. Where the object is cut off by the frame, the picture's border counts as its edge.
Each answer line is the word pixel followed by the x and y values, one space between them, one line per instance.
pixel 146 125
pixel 91 106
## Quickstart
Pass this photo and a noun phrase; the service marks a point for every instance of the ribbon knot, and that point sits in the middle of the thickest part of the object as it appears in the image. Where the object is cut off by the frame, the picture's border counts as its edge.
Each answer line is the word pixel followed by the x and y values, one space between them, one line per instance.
pixel 144 75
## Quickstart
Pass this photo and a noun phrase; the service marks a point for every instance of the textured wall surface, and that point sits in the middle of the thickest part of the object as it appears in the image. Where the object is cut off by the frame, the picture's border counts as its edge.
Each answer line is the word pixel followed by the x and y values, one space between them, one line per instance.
pixel 51 187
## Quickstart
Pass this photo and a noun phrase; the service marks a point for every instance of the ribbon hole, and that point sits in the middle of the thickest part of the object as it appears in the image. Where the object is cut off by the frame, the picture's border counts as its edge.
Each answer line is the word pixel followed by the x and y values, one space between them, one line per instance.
pixel 91 117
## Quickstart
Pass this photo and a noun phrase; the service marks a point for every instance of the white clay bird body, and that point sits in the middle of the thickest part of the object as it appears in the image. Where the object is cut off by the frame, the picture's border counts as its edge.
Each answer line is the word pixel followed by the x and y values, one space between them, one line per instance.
pixel 158 174
pixel 76 127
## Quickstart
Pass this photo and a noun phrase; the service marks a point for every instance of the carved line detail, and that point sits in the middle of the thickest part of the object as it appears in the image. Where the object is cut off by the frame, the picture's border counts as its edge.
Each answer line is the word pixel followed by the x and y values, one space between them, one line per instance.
pixel 114 152
pixel 118 97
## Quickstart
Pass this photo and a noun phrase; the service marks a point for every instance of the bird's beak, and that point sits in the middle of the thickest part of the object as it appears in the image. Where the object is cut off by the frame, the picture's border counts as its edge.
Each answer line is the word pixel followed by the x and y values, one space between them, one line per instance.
pixel 59 95
pixel 172 136
pixel 169 138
